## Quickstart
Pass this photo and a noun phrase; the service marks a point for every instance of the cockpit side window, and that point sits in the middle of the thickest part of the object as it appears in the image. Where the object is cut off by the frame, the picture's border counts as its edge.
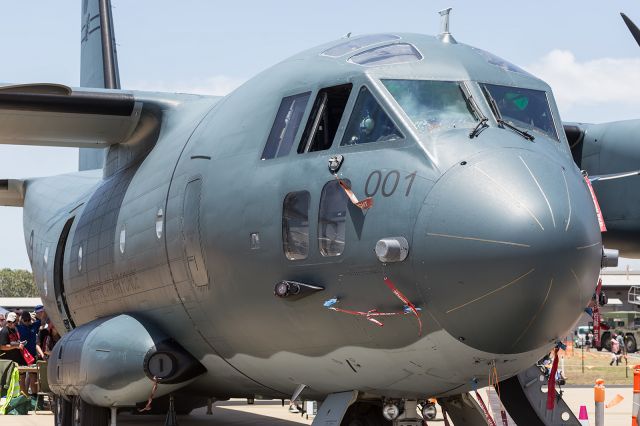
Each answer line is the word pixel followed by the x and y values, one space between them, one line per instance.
pixel 295 225
pixel 369 122
pixel 324 118
pixel 285 127
pixel 525 108
pixel 433 105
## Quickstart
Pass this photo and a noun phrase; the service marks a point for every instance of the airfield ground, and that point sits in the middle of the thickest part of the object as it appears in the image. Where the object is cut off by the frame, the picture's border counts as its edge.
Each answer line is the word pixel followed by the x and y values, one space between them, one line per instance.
pixel 578 391
pixel 271 413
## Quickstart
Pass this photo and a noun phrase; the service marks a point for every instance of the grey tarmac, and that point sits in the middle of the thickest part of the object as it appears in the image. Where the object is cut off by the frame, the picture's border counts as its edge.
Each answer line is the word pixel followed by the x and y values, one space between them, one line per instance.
pixel 236 412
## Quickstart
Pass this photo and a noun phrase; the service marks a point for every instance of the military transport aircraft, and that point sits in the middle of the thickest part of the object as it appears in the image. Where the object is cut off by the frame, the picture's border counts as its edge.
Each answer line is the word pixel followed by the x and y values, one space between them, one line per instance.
pixel 351 225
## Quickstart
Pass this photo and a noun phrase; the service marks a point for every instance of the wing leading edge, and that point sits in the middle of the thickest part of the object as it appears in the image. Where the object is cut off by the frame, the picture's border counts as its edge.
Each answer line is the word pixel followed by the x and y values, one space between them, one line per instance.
pixel 54 115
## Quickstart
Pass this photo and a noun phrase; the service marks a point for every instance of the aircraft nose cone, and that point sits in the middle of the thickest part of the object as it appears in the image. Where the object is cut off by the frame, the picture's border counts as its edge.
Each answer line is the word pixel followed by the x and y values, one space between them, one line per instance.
pixel 508 249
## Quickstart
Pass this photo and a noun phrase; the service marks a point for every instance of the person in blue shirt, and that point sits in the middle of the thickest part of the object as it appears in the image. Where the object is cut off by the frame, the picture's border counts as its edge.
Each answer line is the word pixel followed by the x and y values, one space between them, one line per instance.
pixel 28 329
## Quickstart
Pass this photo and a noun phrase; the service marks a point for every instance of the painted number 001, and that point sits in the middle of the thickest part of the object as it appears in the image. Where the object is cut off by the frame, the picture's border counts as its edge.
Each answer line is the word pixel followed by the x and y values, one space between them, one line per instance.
pixel 388 184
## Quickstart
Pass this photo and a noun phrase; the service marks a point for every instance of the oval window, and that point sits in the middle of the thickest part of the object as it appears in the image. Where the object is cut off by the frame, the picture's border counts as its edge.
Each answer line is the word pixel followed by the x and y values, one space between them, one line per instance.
pixel 159 223
pixel 80 259
pixel 123 238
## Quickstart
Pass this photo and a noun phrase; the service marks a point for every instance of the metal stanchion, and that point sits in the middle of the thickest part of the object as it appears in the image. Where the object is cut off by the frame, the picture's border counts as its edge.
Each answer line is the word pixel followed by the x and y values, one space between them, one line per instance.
pixel 598 397
pixel 635 408
pixel 583 359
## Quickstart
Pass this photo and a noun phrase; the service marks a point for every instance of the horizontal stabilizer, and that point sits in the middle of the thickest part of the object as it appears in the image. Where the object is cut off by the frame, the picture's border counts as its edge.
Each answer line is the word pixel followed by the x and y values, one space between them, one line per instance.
pixel 54 115
pixel 11 192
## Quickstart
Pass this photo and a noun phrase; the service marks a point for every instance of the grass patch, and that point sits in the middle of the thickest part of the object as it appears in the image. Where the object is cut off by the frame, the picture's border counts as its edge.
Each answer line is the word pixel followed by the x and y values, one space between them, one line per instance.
pixel 596 366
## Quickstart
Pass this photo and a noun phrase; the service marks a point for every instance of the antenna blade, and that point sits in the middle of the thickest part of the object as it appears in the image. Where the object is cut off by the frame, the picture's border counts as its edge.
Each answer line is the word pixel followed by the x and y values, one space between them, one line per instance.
pixel 635 31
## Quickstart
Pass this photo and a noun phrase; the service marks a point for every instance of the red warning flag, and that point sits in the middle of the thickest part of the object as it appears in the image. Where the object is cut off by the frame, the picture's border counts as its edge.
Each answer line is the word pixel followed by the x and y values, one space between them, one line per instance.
pixel 365 204
pixel 603 227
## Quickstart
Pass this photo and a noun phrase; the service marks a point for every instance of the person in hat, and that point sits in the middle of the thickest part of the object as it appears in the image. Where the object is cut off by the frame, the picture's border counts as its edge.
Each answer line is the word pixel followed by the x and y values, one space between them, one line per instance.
pixel 41 314
pixel 10 344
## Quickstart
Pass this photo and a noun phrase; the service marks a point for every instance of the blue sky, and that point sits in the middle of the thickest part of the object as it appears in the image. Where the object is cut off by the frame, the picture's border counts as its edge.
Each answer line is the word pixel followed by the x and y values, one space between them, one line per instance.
pixel 581 48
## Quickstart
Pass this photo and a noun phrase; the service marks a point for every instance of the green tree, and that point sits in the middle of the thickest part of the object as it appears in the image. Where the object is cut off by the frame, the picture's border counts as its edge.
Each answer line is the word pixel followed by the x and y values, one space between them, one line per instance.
pixel 17 283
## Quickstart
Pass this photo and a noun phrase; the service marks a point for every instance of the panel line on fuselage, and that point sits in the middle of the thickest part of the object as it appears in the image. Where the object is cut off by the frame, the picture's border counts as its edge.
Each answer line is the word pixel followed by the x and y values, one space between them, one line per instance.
pixel 491 292
pixel 483 240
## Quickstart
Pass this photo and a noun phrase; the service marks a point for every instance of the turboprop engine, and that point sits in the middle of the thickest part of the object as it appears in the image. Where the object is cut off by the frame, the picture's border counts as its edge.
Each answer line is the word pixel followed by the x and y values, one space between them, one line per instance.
pixel 119 356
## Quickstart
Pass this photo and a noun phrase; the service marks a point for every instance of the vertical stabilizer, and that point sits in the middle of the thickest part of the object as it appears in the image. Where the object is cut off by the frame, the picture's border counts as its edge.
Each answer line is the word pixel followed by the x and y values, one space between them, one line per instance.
pixel 98 62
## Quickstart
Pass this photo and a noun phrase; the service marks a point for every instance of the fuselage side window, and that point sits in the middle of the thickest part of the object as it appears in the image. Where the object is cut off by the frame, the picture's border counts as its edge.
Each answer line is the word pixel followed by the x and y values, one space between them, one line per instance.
pixel 332 219
pixel 324 118
pixel 295 225
pixel 285 127
pixel 369 122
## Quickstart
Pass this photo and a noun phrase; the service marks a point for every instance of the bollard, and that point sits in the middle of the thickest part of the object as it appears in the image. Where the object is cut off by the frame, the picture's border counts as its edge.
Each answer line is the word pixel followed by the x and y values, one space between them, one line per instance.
pixel 598 397
pixel 635 408
pixel 583 418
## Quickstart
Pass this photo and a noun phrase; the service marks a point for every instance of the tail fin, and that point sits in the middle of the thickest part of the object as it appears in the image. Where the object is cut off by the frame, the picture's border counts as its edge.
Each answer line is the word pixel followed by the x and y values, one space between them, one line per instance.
pixel 98 62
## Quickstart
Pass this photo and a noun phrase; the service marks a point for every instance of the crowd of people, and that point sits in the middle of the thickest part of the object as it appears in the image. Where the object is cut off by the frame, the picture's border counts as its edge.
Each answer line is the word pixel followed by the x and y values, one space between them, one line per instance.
pixel 26 337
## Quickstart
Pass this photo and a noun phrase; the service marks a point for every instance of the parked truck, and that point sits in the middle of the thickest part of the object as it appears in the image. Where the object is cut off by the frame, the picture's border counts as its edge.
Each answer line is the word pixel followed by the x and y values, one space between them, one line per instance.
pixel 626 323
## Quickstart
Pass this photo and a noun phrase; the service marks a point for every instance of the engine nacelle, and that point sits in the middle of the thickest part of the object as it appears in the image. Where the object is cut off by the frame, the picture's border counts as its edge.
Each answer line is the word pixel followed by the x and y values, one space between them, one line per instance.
pixel 113 361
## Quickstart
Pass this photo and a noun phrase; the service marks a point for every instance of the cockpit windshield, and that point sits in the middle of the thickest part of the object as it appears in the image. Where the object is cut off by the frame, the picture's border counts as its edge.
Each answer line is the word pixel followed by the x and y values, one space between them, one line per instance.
pixel 433 106
pixel 525 108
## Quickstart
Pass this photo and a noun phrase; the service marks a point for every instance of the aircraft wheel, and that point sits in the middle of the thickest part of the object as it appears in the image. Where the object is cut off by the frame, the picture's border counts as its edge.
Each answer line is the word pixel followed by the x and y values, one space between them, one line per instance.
pixel 61 411
pixel 364 414
pixel 84 414
pixel 630 343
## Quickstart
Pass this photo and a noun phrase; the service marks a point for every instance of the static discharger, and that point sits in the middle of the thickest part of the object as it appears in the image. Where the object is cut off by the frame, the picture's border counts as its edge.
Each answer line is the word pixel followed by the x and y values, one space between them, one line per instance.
pixel 372 315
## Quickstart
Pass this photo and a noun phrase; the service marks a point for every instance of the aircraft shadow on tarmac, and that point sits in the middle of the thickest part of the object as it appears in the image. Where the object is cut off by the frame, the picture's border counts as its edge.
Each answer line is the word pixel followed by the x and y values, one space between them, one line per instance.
pixel 224 415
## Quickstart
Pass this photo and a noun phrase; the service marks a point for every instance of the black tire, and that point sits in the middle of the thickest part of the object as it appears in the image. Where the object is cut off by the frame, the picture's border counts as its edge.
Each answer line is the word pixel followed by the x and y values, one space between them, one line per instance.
pixel 61 411
pixel 630 343
pixel 83 414
pixel 364 414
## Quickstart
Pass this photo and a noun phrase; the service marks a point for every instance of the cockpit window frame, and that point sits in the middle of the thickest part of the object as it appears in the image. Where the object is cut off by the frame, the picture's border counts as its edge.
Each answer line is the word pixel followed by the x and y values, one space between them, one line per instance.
pixel 552 111
pixel 408 121
pixel 383 103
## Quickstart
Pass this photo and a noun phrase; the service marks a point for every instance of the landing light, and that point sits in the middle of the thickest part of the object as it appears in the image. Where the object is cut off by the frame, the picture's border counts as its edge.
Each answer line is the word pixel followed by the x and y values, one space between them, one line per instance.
pixel 429 411
pixel 390 411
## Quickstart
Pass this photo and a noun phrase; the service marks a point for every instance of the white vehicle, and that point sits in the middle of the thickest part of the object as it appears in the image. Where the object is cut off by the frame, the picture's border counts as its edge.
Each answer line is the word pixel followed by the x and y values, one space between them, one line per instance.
pixel 580 335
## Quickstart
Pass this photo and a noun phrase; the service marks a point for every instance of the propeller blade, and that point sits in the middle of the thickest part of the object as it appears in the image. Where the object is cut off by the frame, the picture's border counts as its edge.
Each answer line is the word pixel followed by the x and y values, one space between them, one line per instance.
pixel 635 31
pixel 614 176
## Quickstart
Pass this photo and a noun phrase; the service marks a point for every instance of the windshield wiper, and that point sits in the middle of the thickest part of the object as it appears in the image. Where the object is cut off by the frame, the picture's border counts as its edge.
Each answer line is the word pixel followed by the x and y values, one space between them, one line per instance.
pixel 482 124
pixel 528 136
pixel 494 108
pixel 523 133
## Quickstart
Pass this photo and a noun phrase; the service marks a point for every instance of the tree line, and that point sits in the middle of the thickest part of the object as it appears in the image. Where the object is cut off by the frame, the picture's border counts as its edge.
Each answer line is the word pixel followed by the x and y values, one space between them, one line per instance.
pixel 17 283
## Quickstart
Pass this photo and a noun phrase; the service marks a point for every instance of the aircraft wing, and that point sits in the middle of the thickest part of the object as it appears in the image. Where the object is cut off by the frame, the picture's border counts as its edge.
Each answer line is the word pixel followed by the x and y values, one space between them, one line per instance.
pixel 11 192
pixel 56 115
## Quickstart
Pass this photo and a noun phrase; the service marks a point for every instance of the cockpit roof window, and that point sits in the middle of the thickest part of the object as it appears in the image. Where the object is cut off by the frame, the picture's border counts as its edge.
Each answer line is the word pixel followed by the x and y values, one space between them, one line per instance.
pixel 398 53
pixel 525 108
pixel 431 105
pixel 358 43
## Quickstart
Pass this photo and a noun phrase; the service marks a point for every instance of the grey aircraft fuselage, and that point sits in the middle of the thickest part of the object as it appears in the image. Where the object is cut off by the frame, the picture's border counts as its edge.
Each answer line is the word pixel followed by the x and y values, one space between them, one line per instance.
pixel 185 229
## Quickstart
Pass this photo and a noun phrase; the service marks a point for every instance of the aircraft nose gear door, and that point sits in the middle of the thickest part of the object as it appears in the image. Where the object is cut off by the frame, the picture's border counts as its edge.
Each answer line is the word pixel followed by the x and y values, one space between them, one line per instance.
pixel 191 233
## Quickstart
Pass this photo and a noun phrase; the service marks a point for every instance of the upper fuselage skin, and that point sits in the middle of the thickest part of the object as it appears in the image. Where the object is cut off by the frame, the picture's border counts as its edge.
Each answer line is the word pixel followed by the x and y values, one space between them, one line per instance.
pixel 504 243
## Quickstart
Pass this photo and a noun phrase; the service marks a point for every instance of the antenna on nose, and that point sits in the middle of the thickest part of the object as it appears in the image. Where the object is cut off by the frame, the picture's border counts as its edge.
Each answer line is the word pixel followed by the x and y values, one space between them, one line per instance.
pixel 445 36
